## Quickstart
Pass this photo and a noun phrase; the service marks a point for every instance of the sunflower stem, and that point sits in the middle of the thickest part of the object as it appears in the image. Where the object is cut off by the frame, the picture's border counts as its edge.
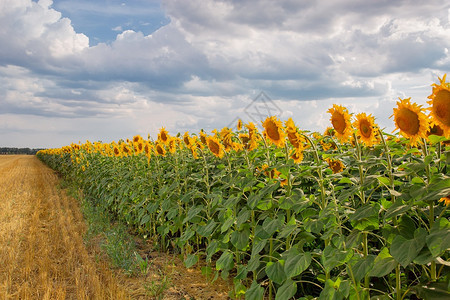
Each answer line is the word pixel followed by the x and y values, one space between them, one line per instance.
pixel 319 171
pixel 398 283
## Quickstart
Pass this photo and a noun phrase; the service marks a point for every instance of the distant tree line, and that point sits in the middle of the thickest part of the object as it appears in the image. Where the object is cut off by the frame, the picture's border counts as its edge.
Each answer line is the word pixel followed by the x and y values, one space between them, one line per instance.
pixel 10 150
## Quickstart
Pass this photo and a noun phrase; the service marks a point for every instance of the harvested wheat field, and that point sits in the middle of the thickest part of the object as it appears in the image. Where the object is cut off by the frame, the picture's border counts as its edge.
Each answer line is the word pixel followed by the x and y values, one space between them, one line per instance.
pixel 43 255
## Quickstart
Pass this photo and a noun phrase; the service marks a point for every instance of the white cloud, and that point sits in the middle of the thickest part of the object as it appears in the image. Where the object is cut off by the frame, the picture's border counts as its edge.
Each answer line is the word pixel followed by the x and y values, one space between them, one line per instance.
pixel 204 67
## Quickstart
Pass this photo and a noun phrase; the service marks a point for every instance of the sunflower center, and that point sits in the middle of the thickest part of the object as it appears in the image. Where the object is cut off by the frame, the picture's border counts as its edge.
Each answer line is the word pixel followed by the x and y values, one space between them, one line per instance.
pixel 160 150
pixel 163 137
pixel 214 147
pixel 408 121
pixel 441 106
pixel 338 121
pixel 365 128
pixel 272 131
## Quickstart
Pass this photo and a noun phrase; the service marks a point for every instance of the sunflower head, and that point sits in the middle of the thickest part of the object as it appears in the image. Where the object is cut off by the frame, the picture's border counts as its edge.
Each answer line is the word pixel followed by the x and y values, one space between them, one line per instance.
pixel 159 149
pixel 187 139
pixel 147 148
pixel 340 119
pixel 202 137
pixel 410 120
pixel 116 151
pixel 292 134
pixel 329 131
pixel 125 149
pixel 239 124
pixel 137 139
pixel 446 200
pixel 297 155
pixel 226 136
pixel 366 129
pixel 139 147
pixel 273 131
pixel 335 165
pixel 440 105
pixel 435 130
pixel 215 146
pixel 163 135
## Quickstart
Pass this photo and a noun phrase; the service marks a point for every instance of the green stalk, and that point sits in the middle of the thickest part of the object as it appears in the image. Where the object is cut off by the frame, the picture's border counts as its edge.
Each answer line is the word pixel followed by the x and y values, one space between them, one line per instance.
pixel 431 205
pixel 398 283
pixel 270 259
pixel 319 172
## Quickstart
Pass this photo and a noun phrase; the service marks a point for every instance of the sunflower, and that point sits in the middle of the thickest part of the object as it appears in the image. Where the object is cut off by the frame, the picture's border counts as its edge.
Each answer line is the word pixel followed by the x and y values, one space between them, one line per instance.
pixel 202 137
pixel 239 124
pixel 273 130
pixel 194 152
pixel 226 135
pixel 137 139
pixel 160 150
pixel 329 131
pixel 335 165
pixel 147 148
pixel 366 128
pixel 297 155
pixel 163 135
pixel 125 149
pixel 340 119
pixel 187 139
pixel 410 120
pixel 293 136
pixel 440 105
pixel 245 139
pixel 435 130
pixel 116 151
pixel 446 200
pixel 215 146
pixel 139 147
pixel 172 144
pixel 253 136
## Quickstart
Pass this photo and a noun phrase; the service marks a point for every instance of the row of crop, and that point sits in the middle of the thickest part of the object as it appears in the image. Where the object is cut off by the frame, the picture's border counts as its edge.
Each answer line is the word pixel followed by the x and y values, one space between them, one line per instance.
pixel 372 227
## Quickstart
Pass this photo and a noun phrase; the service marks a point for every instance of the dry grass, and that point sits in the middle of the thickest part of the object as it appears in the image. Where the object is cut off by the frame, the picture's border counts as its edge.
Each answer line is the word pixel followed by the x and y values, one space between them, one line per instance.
pixel 43 255
pixel 41 246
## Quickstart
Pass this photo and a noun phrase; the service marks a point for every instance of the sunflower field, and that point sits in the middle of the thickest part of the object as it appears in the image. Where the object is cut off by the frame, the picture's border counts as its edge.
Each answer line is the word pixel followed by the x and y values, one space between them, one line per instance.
pixel 353 213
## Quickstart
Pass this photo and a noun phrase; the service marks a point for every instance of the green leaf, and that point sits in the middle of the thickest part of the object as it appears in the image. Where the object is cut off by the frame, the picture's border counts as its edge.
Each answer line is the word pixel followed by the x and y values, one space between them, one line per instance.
pixel 362 267
pixel 225 261
pixel 364 212
pixel 227 224
pixel 384 180
pixel 333 257
pixel 384 263
pixel 187 235
pixel 286 291
pixel 242 217
pixel 270 226
pixel 395 210
pixel 404 250
pixel 193 211
pixel 191 260
pixel 240 239
pixel 207 229
pixel 255 292
pixel 439 239
pixel 296 264
pixel 275 271
pixel 258 245
pixel 434 290
pixel 253 263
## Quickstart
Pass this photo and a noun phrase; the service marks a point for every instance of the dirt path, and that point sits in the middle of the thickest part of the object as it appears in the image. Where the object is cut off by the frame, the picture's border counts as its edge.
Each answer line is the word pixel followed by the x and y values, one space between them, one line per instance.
pixel 41 246
pixel 42 253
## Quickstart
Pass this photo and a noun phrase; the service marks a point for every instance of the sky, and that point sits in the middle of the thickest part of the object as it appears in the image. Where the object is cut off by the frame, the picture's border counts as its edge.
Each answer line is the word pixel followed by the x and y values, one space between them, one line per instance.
pixel 105 70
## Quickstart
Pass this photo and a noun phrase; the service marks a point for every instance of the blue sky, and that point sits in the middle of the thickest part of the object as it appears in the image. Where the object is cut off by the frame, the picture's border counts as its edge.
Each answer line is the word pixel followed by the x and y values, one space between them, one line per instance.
pixel 104 70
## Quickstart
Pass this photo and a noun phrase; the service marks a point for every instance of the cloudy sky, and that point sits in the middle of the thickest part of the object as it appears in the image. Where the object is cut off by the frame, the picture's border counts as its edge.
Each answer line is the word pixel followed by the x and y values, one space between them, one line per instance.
pixel 104 70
